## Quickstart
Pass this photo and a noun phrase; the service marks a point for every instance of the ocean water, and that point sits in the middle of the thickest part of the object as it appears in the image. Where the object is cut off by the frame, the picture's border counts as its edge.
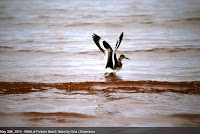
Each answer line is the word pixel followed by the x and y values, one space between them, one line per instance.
pixel 100 104
pixel 51 41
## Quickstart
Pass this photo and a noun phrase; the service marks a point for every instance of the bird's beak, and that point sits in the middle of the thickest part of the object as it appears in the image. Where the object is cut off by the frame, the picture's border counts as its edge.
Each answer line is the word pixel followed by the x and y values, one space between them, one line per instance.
pixel 127 58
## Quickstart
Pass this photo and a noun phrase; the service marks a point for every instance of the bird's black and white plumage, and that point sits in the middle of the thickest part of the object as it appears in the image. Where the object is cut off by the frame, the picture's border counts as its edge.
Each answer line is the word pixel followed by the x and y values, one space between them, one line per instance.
pixel 112 63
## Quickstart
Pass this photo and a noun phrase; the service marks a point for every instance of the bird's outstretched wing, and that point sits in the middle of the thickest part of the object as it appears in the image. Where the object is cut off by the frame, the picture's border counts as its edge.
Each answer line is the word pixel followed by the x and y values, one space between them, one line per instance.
pixel 119 41
pixel 101 44
pixel 106 49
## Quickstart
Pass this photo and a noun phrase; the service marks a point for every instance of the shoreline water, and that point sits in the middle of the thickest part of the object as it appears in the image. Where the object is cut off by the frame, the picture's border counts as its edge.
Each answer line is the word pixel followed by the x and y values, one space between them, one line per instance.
pixel 135 86
pixel 100 104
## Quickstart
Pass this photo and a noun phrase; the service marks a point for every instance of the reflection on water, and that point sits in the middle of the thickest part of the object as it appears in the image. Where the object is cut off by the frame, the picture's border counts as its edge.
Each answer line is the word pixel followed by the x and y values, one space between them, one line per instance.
pixel 112 77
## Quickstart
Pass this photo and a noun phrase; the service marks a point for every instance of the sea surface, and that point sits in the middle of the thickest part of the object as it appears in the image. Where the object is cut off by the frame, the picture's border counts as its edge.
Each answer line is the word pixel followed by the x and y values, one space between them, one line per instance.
pixel 47 41
pixel 51 41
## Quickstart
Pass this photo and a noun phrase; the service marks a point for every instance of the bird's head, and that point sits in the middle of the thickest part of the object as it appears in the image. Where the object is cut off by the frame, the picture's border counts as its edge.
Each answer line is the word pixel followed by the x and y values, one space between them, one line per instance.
pixel 123 57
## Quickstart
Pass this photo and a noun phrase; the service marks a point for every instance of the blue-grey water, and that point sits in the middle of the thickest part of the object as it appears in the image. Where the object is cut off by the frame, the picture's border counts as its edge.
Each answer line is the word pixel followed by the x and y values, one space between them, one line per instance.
pixel 50 41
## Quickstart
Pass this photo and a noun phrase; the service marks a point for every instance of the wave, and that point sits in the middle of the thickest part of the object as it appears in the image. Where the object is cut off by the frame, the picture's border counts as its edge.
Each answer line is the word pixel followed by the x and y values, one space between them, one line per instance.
pixel 6 48
pixel 36 51
pixel 78 24
pixel 187 87
pixel 161 22
pixel 26 24
pixel 162 50
pixel 168 50
pixel 12 51
pixel 6 18
pixel 185 20
pixel 107 24
pixel 57 117
pixel 55 114
pixel 89 52
pixel 51 17
pixel 43 17
pixel 42 52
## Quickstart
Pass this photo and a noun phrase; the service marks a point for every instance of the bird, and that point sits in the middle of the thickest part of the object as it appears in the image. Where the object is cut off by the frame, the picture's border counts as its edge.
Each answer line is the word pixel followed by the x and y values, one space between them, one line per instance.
pixel 112 64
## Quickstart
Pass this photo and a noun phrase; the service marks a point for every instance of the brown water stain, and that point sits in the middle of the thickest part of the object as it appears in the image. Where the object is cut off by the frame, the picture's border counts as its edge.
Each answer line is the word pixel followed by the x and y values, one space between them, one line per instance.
pixel 93 87
pixel 57 117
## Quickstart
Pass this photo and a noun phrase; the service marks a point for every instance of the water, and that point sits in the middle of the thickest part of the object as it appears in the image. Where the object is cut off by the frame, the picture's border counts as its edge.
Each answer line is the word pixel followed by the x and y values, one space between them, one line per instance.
pixel 113 104
pixel 51 42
